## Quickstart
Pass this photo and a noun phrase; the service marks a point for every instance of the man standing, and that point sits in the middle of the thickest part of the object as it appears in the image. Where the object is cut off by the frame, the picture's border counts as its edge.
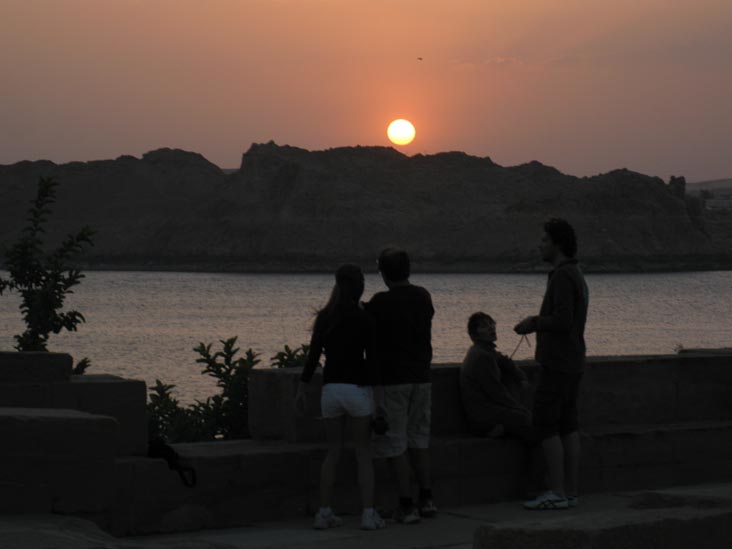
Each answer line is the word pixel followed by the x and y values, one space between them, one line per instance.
pixel 560 350
pixel 403 349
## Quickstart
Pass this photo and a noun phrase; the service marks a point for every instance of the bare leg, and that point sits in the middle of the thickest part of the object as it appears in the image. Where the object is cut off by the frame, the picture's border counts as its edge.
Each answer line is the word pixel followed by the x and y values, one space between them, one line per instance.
pixel 554 454
pixel 572 450
pixel 334 428
pixel 362 443
pixel 421 463
pixel 402 474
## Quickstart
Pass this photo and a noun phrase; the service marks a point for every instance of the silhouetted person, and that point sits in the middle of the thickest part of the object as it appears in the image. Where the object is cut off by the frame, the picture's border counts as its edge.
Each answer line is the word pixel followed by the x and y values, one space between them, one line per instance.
pixel 560 350
pixel 403 344
pixel 488 382
pixel 345 333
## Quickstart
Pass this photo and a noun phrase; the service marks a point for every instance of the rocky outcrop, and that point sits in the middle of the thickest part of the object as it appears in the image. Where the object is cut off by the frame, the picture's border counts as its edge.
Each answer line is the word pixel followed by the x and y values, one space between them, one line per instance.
pixel 293 209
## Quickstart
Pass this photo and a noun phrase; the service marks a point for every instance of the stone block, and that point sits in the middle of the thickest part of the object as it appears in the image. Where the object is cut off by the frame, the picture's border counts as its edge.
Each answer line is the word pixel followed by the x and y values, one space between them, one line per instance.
pixel 34 367
pixel 56 432
pixel 122 399
pixel 59 459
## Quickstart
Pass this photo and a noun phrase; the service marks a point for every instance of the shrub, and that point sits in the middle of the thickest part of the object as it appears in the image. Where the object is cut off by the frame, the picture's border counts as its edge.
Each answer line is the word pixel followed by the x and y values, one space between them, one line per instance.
pixel 44 279
pixel 231 407
pixel 291 358
pixel 170 422
pixel 222 416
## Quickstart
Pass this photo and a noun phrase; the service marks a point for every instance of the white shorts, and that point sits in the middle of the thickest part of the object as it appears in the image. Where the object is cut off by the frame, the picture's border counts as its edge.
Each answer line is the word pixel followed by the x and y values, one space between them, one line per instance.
pixel 339 399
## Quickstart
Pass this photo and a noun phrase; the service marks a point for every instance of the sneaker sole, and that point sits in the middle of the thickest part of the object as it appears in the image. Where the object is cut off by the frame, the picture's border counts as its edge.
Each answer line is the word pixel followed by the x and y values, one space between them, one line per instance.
pixel 548 507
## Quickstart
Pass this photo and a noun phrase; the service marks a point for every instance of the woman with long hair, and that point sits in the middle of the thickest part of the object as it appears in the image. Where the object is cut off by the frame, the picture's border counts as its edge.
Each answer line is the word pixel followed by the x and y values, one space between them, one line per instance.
pixel 344 332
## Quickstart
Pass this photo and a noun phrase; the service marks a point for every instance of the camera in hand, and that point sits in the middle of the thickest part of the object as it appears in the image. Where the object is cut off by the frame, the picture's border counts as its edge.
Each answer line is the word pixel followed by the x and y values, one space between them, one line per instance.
pixel 379 425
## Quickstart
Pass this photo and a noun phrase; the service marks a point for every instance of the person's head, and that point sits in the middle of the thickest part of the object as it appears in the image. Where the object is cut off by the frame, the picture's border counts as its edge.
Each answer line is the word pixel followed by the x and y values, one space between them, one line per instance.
pixel 559 240
pixel 482 328
pixel 345 296
pixel 394 266
pixel 349 283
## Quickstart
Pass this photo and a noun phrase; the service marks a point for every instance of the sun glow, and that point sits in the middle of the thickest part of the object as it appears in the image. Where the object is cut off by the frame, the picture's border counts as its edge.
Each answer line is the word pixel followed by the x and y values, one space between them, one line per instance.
pixel 401 132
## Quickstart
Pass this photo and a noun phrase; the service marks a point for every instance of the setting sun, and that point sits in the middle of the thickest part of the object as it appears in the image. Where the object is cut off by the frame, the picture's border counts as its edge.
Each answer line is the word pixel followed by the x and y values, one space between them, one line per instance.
pixel 401 132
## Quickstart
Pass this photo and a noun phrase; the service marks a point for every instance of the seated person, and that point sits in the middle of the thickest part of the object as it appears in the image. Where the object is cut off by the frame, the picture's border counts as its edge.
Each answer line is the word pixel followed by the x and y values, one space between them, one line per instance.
pixel 486 379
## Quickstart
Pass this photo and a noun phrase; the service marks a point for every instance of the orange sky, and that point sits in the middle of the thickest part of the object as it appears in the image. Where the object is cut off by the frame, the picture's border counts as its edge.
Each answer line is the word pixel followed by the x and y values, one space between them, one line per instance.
pixel 584 85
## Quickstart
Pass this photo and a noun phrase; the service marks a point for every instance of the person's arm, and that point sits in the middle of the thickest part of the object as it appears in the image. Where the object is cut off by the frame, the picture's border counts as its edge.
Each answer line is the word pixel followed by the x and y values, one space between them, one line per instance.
pixel 316 349
pixel 487 375
pixel 508 367
pixel 563 297
pixel 562 316
pixel 369 343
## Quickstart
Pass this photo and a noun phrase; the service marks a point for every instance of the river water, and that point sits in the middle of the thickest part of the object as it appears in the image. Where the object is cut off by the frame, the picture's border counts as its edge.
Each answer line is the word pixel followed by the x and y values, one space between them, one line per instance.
pixel 144 325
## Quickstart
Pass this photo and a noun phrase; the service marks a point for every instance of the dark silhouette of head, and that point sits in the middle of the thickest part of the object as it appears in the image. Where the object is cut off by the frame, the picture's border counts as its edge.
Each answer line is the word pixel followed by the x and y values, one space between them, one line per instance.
pixel 482 328
pixel 394 266
pixel 344 298
pixel 559 240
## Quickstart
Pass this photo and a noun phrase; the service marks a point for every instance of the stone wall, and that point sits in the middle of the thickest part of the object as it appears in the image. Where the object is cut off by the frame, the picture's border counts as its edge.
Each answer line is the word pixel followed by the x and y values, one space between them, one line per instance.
pixel 691 386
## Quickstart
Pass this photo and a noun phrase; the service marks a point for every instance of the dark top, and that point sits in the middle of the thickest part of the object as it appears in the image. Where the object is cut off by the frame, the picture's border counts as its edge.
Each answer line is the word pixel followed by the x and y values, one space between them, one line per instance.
pixel 560 326
pixel 348 348
pixel 485 377
pixel 403 344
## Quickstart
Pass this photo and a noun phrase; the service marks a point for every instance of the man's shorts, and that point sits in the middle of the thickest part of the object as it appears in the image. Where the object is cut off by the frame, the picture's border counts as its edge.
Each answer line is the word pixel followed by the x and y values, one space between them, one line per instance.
pixel 556 404
pixel 408 410
pixel 345 399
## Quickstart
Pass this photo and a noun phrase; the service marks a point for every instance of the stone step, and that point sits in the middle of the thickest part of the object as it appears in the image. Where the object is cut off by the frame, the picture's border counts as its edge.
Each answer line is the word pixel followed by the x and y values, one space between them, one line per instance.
pixel 243 481
pixel 108 395
pixel 56 460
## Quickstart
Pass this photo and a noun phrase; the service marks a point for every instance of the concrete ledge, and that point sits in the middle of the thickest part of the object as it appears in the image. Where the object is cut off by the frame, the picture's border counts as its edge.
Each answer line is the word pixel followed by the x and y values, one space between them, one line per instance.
pixel 244 481
pixel 56 460
pixel 34 367
pixel 615 391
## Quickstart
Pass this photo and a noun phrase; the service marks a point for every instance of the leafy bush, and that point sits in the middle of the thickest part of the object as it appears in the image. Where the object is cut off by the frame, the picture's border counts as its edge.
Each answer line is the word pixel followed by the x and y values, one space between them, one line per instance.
pixel 231 407
pixel 169 421
pixel 43 279
pixel 291 358
pixel 81 366
pixel 222 416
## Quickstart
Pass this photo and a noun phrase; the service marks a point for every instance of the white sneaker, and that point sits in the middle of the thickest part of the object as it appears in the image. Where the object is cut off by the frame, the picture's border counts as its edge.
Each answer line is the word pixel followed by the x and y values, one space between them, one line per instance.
pixel 547 501
pixel 324 521
pixel 370 520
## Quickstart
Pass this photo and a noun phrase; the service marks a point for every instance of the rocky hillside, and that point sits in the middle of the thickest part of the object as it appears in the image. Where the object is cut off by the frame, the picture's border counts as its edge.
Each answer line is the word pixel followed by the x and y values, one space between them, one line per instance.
pixel 292 209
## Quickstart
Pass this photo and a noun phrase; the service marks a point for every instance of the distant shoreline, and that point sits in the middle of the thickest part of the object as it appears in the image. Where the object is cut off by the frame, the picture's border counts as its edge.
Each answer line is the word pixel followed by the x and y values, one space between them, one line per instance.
pixel 613 266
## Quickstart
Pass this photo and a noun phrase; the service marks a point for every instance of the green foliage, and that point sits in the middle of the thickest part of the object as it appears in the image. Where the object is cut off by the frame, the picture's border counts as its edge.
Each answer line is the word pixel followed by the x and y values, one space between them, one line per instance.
pixel 173 423
pixel 43 279
pixel 291 358
pixel 232 377
pixel 222 416
pixel 81 366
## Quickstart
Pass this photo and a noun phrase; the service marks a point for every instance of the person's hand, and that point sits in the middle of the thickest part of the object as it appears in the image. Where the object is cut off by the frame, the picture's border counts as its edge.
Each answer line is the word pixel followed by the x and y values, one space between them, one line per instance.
pixel 526 326
pixel 301 398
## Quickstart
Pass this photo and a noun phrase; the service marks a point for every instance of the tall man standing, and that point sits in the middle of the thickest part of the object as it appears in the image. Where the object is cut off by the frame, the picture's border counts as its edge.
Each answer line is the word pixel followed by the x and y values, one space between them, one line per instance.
pixel 403 349
pixel 560 350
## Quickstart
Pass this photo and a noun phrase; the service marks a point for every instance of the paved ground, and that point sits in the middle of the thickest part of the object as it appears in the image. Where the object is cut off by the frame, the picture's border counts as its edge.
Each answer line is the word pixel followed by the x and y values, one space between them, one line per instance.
pixel 453 528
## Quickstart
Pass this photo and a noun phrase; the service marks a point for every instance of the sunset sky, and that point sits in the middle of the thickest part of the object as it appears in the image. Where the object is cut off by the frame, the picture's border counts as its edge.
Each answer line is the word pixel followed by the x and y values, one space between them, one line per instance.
pixel 583 85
